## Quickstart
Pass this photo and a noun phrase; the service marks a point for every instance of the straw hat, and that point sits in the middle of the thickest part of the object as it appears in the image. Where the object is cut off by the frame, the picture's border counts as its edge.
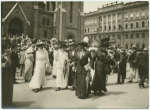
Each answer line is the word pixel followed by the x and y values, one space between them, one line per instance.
pixel 30 50
pixel 40 43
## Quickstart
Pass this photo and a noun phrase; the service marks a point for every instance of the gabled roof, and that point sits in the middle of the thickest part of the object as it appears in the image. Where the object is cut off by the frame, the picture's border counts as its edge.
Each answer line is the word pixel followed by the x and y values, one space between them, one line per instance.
pixel 17 4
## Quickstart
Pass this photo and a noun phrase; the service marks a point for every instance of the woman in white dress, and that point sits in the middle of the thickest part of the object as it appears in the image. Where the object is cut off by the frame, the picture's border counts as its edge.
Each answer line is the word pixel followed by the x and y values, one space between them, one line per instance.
pixel 62 70
pixel 42 62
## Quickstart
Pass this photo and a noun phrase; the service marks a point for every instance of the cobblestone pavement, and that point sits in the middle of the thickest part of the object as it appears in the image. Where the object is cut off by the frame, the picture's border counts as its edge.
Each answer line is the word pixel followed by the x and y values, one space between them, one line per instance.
pixel 127 95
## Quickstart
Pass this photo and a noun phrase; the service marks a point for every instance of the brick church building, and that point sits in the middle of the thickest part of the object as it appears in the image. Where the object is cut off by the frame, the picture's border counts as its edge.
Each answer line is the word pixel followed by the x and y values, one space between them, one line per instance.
pixel 62 20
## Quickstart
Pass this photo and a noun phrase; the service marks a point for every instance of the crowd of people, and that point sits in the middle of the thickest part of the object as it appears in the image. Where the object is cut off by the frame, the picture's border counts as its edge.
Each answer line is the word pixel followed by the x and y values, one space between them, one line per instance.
pixel 74 64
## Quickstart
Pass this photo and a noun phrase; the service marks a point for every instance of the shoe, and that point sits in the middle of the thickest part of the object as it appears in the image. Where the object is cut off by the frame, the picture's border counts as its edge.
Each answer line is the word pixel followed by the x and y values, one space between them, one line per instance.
pixel 105 90
pixel 37 90
pixel 66 87
pixel 56 89
pixel 101 93
pixel 122 82
pixel 130 81
pixel 139 85
pixel 73 88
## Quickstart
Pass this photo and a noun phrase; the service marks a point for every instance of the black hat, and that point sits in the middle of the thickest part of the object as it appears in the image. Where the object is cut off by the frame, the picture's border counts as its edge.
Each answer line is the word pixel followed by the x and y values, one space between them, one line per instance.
pixel 62 44
pixel 84 44
pixel 104 42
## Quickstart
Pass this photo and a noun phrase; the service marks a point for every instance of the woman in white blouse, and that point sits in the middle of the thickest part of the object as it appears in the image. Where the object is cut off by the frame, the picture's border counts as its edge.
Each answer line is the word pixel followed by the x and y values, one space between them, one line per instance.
pixel 42 62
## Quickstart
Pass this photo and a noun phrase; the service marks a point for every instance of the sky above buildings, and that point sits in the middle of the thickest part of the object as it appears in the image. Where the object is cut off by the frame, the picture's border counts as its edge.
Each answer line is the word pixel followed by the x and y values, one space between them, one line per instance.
pixel 93 5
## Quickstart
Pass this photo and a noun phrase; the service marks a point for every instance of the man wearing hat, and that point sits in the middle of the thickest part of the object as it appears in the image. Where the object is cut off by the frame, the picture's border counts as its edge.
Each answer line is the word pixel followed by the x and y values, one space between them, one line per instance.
pixel 142 62
pixel 122 66
pixel 134 70
pixel 71 55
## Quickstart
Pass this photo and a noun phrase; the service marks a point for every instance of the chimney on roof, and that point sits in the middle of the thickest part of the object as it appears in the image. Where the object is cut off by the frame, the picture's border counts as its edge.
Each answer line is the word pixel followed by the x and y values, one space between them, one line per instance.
pixel 103 6
pixel 116 2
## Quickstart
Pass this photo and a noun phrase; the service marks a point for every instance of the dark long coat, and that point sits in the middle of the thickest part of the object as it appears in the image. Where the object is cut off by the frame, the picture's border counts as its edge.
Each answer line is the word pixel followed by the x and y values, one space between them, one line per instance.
pixel 102 67
pixel 71 78
pixel 7 82
pixel 81 74
pixel 132 59
pixel 122 64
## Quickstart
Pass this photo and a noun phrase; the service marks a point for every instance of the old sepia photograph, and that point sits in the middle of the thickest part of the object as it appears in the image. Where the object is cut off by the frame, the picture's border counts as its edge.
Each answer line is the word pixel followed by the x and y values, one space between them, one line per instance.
pixel 74 54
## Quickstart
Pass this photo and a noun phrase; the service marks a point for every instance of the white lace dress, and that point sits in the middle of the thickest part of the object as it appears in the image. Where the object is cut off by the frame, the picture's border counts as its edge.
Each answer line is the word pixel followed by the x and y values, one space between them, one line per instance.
pixel 39 77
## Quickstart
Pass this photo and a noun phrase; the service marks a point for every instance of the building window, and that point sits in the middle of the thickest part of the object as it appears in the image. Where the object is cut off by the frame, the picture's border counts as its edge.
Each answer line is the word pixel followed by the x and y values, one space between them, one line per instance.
pixel 88 30
pixel 126 26
pixel 100 28
pixel 131 15
pixel 143 24
pixel 126 46
pixel 105 27
pixel 85 30
pixel 71 4
pixel 47 6
pixel 143 46
pixel 131 36
pixel 119 16
pixel 109 27
pixel 126 36
pixel 143 13
pixel 45 34
pixel 137 25
pixel 137 35
pixel 119 27
pixel 143 35
pixel 131 25
pixel 43 21
pixel 108 36
pixel 47 21
pixel 118 36
pixel 137 14
pixel 94 37
pixel 131 45
pixel 137 45
pixel 114 27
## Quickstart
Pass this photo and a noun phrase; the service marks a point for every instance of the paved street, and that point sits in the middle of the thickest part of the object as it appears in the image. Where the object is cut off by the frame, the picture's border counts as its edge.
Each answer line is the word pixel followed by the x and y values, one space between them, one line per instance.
pixel 118 96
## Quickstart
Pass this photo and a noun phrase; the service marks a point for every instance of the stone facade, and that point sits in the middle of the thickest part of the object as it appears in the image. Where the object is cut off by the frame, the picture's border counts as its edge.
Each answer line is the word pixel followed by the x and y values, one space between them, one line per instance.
pixel 125 24
pixel 62 20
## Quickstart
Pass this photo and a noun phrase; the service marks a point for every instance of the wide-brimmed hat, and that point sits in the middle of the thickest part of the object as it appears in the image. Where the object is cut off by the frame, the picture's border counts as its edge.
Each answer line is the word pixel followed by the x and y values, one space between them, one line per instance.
pixel 40 43
pixel 92 49
pixel 83 43
pixel 30 50
pixel 72 42
pixel 104 42
pixel 145 49
pixel 134 47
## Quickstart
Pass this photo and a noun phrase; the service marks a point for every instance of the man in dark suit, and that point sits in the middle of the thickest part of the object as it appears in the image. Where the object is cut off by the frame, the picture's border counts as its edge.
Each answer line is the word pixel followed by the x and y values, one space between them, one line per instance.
pixel 142 63
pixel 71 55
pixel 117 58
pixel 15 59
pixel 122 66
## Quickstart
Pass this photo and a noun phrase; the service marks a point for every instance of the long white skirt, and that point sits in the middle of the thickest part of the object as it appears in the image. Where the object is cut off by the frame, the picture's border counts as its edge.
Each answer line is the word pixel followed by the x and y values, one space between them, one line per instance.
pixel 61 81
pixel 39 78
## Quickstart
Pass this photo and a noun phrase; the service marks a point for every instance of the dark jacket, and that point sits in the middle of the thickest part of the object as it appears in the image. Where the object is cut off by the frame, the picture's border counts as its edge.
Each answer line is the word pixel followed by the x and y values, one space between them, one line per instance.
pixel 122 64
pixel 142 63
pixel 132 60
pixel 80 63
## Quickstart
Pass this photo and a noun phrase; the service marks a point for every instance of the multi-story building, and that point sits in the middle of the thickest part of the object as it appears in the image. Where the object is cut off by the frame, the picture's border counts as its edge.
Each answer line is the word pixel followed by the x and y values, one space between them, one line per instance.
pixel 62 20
pixel 125 24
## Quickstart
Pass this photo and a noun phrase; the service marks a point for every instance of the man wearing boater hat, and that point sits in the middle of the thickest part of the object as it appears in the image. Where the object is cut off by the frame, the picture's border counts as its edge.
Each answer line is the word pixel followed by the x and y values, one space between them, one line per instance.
pixel 71 55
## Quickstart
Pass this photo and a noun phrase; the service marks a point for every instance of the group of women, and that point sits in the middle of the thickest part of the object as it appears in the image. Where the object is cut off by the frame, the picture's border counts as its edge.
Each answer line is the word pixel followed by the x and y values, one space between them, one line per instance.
pixel 78 66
